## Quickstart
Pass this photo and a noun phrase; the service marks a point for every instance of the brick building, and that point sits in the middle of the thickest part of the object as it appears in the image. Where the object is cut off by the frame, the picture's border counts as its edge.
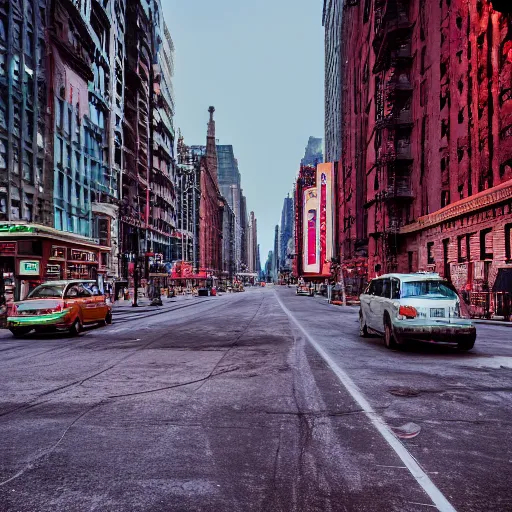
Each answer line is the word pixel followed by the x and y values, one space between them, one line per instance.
pixel 210 207
pixel 426 174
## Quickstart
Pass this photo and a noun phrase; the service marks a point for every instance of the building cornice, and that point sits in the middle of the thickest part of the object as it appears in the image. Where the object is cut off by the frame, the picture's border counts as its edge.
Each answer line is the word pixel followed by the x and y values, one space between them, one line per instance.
pixel 485 199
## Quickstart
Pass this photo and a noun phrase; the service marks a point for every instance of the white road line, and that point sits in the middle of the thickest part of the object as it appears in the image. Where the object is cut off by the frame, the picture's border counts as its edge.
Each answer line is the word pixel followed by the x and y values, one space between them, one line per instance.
pixel 410 462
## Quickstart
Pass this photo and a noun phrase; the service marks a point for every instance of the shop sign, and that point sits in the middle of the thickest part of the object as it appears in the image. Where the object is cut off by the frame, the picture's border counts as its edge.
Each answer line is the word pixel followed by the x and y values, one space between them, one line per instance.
pixel 29 268
pixel 53 269
pixel 16 228
pixel 459 275
pixel 7 248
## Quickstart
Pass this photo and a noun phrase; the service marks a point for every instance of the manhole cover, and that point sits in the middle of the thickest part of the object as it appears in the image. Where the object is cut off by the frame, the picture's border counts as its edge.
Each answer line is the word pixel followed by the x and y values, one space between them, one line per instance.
pixel 406 392
pixel 407 431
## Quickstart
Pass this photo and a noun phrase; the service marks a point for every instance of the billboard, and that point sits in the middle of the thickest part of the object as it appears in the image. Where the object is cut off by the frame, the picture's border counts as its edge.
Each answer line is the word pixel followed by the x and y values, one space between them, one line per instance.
pixel 324 180
pixel 318 223
pixel 311 255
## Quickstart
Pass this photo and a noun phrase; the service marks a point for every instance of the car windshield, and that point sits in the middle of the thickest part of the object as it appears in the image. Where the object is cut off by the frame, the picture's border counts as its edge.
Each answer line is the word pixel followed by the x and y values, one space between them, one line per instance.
pixel 47 292
pixel 428 289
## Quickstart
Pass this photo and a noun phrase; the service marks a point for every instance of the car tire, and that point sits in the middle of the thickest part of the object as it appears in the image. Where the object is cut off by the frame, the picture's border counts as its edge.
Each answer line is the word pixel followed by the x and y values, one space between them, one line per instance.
pixel 363 329
pixel 389 337
pixel 466 345
pixel 19 332
pixel 76 328
pixel 108 319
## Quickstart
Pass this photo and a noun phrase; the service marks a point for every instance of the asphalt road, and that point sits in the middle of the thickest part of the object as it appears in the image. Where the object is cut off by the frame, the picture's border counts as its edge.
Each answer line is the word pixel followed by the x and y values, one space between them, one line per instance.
pixel 257 401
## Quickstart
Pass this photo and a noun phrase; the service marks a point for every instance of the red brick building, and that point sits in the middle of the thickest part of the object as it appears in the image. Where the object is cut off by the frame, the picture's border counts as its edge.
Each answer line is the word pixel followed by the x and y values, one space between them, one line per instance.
pixel 210 207
pixel 426 174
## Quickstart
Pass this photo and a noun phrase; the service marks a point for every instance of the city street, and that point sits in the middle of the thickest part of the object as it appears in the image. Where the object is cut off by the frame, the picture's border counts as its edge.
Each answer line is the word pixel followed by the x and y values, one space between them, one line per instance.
pixel 256 401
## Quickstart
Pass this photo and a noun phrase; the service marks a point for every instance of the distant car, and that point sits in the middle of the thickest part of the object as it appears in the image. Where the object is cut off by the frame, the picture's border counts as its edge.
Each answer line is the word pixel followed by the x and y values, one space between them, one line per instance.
pixel 304 290
pixel 60 306
pixel 421 306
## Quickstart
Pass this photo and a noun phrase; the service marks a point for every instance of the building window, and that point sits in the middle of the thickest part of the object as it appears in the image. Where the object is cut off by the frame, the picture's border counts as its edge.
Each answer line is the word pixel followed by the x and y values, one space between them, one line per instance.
pixel 446 258
pixel 486 245
pixel 463 248
pixel 430 254
pixel 508 242
pixel 445 198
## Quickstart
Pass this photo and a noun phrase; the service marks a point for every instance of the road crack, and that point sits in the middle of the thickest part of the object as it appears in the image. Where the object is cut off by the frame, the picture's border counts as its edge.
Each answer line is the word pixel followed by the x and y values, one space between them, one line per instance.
pixel 32 463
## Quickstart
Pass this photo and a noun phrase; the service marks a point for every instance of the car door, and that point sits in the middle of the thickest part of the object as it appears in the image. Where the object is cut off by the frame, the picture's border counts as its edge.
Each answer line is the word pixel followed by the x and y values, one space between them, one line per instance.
pixel 365 302
pixel 376 306
pixel 88 304
pixel 82 298
pixel 101 310
pixel 372 303
pixel 382 303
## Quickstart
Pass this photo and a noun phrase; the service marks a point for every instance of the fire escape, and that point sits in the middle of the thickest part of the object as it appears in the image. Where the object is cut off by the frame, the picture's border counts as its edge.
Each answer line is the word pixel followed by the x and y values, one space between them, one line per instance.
pixel 394 123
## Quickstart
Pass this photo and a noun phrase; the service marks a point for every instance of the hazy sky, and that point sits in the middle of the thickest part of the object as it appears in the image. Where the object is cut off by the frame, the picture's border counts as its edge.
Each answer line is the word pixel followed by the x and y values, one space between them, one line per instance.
pixel 260 63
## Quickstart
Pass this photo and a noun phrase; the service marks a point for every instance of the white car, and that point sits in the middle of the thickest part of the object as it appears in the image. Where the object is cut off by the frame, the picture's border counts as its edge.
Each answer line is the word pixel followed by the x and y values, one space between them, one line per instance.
pixel 304 290
pixel 421 306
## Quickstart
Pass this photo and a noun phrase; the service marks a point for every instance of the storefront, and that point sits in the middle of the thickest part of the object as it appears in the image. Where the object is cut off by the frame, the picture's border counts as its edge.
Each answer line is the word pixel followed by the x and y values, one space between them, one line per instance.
pixel 35 254
pixel 183 278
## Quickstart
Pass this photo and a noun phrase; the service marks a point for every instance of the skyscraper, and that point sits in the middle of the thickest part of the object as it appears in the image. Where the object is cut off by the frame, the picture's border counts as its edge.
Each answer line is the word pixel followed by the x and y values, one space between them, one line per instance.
pixel 230 187
pixel 286 233
pixel 331 20
pixel 313 154
pixel 26 173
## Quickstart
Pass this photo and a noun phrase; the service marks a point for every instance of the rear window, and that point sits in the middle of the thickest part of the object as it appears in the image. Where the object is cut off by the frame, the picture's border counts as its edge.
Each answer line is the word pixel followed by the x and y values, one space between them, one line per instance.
pixel 47 292
pixel 429 290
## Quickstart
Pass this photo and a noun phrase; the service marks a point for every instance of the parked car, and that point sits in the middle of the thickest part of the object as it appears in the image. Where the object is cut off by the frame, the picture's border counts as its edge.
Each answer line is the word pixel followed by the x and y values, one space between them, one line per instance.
pixel 60 306
pixel 304 290
pixel 421 306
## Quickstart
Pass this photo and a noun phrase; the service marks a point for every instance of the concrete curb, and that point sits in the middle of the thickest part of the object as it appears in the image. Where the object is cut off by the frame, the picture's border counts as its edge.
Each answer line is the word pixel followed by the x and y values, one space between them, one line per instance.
pixel 493 322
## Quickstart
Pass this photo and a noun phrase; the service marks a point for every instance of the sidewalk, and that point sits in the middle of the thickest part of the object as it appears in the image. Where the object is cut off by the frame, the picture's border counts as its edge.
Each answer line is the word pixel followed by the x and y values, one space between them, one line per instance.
pixel 349 307
pixel 144 304
pixel 355 308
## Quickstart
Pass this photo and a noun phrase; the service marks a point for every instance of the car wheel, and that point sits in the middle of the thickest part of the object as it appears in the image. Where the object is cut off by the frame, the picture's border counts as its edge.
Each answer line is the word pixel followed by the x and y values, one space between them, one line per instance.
pixel 76 328
pixel 389 337
pixel 108 319
pixel 466 344
pixel 19 332
pixel 363 330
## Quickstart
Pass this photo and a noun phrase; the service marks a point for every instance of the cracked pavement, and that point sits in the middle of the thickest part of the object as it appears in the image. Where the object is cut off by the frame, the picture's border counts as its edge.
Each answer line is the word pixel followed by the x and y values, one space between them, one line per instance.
pixel 223 404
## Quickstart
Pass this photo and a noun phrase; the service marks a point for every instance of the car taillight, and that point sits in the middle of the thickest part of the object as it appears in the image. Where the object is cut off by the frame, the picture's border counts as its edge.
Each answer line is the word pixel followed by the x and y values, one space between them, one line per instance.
pixel 408 311
pixel 58 308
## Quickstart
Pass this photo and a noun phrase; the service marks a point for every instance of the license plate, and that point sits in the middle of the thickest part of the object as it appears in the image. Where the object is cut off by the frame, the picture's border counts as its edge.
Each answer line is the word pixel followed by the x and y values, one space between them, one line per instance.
pixel 436 312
